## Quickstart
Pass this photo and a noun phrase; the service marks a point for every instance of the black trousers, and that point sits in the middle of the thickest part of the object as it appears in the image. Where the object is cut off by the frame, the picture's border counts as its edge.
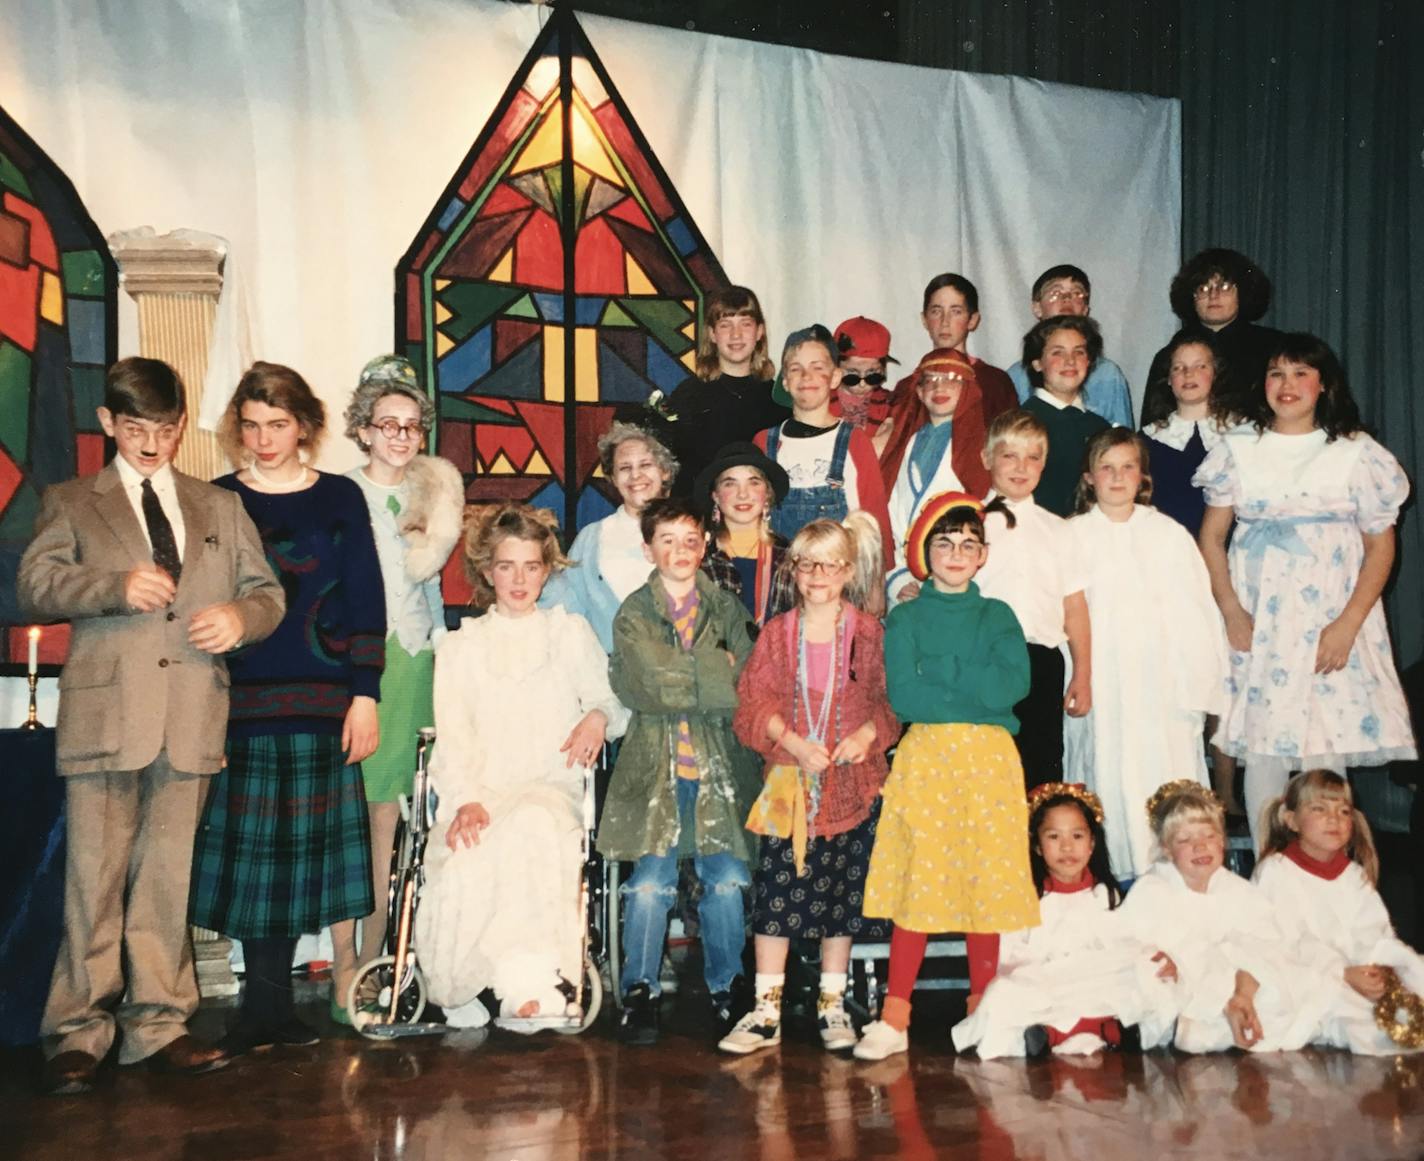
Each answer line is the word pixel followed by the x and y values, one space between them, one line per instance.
pixel 1040 714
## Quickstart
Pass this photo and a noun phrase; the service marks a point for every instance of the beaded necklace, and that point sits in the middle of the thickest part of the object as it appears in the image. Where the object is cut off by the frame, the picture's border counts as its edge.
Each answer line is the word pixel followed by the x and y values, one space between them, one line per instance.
pixel 816 731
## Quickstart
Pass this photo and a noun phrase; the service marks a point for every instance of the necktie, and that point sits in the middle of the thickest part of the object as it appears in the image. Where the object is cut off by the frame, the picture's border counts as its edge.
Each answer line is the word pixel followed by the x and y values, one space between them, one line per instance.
pixel 160 533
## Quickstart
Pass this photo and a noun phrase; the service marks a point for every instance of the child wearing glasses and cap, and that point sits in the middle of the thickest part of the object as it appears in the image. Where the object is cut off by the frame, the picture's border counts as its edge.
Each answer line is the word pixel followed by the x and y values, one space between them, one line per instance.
pixel 862 399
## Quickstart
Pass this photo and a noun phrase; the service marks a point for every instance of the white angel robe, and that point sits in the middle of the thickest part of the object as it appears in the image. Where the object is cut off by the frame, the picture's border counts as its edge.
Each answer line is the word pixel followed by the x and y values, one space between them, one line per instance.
pixel 504 913
pixel 1338 922
pixel 1081 961
pixel 1159 666
pixel 1211 935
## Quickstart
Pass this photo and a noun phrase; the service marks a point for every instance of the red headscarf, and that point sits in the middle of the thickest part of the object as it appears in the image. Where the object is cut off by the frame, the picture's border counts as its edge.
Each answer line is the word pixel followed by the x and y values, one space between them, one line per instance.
pixel 970 431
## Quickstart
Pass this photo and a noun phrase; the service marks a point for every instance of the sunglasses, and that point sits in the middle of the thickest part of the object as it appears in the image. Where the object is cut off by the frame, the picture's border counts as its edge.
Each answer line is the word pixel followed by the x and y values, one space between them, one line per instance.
pixel 855 379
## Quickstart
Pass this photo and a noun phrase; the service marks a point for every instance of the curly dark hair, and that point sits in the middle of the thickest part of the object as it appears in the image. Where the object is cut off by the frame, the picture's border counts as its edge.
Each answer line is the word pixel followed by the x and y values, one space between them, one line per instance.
pixel 1335 411
pixel 1099 866
pixel 1253 288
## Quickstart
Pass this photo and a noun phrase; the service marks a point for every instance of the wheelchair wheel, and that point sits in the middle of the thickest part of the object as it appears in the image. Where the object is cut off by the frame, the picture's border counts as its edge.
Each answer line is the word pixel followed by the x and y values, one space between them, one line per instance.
pixel 592 997
pixel 369 1000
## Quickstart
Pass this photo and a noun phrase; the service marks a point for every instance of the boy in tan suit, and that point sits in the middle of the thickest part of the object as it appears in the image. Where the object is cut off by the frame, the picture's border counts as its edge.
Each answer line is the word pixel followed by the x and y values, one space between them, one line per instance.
pixel 160 575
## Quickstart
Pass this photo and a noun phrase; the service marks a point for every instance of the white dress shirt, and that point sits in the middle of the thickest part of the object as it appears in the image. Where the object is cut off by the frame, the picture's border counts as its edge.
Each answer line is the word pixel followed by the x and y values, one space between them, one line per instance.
pixel 163 488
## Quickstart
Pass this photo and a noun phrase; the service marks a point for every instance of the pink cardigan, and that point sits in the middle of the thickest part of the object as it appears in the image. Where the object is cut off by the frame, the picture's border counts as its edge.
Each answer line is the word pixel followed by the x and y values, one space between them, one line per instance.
pixel 767 686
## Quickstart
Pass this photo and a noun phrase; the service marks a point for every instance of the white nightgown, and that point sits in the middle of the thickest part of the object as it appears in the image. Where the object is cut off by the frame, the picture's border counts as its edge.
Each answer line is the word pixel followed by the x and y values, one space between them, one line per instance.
pixel 1339 923
pixel 1210 935
pixel 1081 961
pixel 504 913
pixel 1159 664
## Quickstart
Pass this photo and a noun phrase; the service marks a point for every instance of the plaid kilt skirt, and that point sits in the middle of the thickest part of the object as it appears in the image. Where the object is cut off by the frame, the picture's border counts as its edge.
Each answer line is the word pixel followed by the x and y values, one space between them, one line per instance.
pixel 284 845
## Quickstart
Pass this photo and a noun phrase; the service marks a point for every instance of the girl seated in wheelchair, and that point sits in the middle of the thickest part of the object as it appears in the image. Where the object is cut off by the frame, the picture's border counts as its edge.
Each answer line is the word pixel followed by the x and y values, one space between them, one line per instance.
pixel 522 709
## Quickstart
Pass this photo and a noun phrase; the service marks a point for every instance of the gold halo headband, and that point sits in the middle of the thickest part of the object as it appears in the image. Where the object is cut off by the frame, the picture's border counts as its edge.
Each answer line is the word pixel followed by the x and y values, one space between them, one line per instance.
pixel 1182 787
pixel 1046 790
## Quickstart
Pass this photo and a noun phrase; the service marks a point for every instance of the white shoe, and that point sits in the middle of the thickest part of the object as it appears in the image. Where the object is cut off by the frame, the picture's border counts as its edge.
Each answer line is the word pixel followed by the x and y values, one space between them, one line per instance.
pixel 878 1040
pixel 837 1032
pixel 759 1028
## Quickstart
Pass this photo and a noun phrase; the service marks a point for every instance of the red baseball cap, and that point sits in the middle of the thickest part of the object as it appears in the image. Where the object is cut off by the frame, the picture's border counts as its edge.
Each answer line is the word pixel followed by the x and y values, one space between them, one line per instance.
pixel 864 338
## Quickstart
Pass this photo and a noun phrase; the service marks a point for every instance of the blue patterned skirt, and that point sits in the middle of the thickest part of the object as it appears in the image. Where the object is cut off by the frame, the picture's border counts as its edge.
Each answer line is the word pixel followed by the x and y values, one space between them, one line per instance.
pixel 824 901
pixel 284 845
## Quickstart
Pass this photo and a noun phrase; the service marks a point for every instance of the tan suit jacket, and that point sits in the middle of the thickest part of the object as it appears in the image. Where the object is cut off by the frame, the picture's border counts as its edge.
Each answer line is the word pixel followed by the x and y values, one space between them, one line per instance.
pixel 132 683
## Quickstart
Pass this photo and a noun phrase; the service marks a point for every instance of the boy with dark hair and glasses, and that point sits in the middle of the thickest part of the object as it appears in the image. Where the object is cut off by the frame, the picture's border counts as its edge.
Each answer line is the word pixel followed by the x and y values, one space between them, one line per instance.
pixel 1065 290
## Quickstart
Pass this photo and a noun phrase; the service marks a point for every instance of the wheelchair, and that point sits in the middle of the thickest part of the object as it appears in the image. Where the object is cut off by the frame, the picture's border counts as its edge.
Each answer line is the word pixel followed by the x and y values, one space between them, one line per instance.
pixel 388 996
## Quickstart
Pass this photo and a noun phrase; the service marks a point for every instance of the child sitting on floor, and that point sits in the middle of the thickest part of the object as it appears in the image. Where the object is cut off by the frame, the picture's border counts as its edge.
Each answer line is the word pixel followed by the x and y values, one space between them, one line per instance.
pixel 813 703
pixel 1236 983
pixel 1032 990
pixel 1318 871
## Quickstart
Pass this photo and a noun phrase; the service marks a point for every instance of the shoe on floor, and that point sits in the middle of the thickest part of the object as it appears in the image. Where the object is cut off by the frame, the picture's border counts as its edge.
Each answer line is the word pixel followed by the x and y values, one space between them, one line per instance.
pixel 879 1040
pixel 246 1035
pixel 186 1056
pixel 759 1028
pixel 68 1074
pixel 638 1022
pixel 292 1033
pixel 730 1006
pixel 834 1024
pixel 1035 1041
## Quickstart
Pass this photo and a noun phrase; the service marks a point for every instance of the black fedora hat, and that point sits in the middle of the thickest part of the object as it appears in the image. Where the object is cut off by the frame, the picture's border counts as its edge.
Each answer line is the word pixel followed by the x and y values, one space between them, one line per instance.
pixel 741 455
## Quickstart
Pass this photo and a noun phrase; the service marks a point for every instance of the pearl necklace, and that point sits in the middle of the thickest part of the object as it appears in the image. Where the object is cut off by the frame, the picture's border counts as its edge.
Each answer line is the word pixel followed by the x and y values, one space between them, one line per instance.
pixel 271 485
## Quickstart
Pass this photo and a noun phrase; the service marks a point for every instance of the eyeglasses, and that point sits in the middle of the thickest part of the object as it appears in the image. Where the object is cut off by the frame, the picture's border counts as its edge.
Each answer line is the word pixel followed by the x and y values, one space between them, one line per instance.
pixel 965 549
pixel 825 567
pixel 855 379
pixel 391 428
pixel 1077 294
pixel 1215 286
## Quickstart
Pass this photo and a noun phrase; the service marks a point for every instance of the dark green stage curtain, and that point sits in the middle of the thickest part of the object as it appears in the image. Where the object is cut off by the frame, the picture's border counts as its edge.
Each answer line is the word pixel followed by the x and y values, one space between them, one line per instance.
pixel 1303 146
pixel 1126 45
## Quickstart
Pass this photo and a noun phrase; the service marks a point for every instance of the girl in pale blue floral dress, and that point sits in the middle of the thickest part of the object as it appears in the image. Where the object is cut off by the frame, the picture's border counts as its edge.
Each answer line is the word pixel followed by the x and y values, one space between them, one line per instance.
pixel 1314 500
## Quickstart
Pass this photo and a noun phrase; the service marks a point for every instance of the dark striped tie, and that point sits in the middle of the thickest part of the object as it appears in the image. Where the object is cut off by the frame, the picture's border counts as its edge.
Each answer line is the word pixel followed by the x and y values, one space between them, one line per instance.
pixel 160 533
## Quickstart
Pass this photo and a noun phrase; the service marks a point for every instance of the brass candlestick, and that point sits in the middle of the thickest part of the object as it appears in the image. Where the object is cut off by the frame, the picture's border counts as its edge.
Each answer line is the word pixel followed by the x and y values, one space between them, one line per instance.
pixel 32 722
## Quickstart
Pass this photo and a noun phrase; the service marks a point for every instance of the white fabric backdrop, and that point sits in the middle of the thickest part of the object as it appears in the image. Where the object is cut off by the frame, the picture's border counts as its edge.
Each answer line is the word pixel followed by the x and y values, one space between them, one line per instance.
pixel 316 136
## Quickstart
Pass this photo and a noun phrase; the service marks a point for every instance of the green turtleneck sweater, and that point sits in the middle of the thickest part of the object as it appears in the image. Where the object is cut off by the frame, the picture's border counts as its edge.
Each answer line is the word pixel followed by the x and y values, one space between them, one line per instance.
pixel 955 657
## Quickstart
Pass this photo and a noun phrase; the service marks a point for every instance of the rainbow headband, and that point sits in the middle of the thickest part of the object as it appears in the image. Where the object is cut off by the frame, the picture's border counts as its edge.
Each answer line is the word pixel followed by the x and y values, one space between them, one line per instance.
pixel 917 553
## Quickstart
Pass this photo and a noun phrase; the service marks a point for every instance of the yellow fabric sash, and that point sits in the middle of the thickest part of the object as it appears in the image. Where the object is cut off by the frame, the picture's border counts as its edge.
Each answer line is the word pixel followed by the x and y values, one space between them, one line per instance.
pixel 780 811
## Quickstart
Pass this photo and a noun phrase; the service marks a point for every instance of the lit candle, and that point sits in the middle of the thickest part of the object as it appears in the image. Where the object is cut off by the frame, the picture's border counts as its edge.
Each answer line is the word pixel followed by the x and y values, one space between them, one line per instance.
pixel 34 649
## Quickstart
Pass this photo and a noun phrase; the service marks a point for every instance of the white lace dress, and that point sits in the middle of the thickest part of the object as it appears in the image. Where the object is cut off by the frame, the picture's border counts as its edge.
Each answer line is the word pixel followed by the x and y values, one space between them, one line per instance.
pixel 504 914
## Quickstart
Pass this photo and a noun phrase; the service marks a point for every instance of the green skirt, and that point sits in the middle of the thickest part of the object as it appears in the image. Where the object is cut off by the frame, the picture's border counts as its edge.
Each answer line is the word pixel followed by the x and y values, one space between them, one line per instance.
pixel 284 845
pixel 407 704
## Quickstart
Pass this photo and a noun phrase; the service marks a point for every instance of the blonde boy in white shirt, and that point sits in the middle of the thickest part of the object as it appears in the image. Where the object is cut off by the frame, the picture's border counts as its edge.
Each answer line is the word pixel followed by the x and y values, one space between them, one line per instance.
pixel 1034 569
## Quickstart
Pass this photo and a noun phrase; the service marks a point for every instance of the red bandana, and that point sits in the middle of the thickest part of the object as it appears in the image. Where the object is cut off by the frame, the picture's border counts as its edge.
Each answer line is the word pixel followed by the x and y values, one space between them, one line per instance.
pixel 1331 868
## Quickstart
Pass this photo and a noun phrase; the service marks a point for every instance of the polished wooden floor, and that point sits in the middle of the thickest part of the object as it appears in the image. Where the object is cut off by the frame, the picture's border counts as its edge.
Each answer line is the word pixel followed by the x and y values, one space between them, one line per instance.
pixel 473 1095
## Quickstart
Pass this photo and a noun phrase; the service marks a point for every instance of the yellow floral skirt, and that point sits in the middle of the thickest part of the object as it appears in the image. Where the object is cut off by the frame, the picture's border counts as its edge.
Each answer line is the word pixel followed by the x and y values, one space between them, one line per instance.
pixel 951 851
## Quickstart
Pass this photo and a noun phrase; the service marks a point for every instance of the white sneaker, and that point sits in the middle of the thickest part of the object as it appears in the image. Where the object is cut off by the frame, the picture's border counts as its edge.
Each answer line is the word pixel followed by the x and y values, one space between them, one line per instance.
pixel 837 1032
pixel 878 1040
pixel 759 1028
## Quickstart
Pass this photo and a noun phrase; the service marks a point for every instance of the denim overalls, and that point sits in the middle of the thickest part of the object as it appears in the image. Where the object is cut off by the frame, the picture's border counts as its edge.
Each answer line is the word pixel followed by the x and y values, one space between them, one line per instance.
pixel 824 501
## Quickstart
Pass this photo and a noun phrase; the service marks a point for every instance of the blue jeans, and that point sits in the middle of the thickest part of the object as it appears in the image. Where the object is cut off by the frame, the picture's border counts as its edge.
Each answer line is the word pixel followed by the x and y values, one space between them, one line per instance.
pixel 649 895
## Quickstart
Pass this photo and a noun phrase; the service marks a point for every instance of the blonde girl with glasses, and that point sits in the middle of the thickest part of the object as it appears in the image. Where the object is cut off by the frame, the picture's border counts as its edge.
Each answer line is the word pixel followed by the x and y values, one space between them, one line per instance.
pixel 812 702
